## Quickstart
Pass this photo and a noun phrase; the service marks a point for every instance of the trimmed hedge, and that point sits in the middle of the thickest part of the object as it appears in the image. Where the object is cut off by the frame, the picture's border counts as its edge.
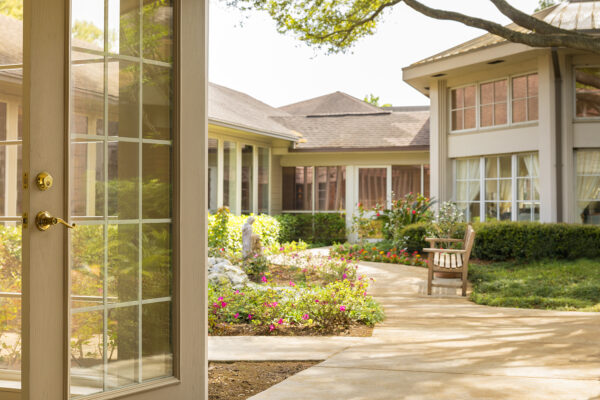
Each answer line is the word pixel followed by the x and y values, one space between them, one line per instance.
pixel 505 240
pixel 321 228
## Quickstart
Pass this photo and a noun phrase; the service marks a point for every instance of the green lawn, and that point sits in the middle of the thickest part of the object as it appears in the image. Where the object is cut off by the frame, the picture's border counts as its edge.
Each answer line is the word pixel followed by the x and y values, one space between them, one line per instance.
pixel 555 285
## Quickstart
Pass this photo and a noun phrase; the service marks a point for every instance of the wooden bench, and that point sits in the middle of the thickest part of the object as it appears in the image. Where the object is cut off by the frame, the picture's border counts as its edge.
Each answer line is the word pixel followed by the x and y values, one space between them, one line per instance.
pixel 449 260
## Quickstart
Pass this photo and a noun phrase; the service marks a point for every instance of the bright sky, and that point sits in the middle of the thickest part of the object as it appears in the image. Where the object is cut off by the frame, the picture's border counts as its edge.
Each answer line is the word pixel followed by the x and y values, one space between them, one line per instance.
pixel 253 58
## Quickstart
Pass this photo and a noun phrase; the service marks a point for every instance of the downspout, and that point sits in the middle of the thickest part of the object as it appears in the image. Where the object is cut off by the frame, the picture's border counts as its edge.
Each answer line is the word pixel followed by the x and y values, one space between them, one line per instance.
pixel 558 134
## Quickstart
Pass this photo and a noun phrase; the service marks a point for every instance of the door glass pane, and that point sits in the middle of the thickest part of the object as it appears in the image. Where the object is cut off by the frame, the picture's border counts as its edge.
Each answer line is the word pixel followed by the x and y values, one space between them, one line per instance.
pixel 11 76
pixel 372 187
pixel 120 194
pixel 405 179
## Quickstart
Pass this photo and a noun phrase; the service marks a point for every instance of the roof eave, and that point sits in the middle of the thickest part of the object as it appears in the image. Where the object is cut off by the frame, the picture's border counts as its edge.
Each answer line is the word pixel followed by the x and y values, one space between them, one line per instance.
pixel 262 132
pixel 358 149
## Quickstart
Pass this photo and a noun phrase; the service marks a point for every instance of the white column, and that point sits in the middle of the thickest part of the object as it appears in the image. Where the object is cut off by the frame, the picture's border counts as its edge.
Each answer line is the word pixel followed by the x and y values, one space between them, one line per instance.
pixel 547 145
pixel 254 180
pixel 568 170
pixel 238 179
pixel 440 164
pixel 220 174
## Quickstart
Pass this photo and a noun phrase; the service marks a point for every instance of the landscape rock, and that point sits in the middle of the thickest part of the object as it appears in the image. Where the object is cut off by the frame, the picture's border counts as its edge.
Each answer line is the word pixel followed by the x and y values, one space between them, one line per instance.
pixel 222 272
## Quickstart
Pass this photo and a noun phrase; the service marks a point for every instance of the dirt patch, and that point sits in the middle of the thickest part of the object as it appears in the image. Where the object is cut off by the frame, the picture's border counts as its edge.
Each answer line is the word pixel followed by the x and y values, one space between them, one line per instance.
pixel 244 379
pixel 358 330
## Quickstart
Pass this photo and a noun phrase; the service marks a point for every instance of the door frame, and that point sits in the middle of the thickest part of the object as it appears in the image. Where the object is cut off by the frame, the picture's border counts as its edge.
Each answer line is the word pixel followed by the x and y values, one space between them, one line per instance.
pixel 45 307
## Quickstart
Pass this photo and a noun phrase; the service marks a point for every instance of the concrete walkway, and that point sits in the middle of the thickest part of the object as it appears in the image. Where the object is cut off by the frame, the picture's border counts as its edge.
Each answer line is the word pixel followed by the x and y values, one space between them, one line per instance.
pixel 445 347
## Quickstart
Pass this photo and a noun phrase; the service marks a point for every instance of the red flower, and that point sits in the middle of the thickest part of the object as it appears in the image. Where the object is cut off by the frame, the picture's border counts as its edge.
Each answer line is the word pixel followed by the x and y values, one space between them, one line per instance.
pixel 414 212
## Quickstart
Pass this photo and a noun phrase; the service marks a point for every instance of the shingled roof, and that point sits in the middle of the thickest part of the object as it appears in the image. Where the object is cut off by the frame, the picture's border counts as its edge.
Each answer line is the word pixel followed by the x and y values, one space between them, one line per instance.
pixel 332 104
pixel 338 121
pixel 230 107
pixel 581 15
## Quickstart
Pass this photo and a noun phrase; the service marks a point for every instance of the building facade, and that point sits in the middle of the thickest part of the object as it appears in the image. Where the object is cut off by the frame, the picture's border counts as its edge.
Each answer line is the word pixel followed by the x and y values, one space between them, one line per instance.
pixel 515 131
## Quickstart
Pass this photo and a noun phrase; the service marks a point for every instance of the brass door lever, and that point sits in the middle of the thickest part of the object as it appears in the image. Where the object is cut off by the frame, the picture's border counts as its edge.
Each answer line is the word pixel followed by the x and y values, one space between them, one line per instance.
pixel 43 221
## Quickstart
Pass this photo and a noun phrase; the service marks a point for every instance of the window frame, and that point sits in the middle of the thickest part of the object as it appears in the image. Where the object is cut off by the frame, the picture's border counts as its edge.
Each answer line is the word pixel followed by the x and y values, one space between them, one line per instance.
pixel 509 100
pixel 574 93
pixel 482 182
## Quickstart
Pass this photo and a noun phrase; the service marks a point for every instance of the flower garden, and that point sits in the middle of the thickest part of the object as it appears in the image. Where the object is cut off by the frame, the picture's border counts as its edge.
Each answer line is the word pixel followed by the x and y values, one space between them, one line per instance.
pixel 291 292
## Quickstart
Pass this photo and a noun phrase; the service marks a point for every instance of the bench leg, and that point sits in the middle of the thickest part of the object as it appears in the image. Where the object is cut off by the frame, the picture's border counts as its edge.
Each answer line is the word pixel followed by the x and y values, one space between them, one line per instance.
pixel 464 283
pixel 429 279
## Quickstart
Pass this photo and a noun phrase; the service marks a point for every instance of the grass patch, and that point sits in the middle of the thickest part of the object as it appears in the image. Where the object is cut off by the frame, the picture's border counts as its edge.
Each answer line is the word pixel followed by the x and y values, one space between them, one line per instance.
pixel 552 285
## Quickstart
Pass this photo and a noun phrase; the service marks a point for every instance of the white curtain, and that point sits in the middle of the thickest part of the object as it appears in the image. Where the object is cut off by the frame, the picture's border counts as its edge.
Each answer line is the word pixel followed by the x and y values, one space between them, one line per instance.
pixel 588 187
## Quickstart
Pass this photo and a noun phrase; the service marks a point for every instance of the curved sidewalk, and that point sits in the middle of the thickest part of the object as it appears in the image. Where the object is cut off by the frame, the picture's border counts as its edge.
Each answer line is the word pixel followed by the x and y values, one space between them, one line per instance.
pixel 445 347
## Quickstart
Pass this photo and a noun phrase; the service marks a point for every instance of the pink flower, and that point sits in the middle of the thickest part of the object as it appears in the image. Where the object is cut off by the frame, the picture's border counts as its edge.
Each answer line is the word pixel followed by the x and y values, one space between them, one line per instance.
pixel 223 304
pixel 316 300
pixel 271 327
pixel 282 249
pixel 222 249
pixel 292 284
pixel 280 321
pixel 237 292
pixel 264 279
pixel 220 298
pixel 305 317
pixel 249 316
pixel 364 293
pixel 237 314
pixel 342 308
pixel 344 276
pixel 215 304
pixel 379 215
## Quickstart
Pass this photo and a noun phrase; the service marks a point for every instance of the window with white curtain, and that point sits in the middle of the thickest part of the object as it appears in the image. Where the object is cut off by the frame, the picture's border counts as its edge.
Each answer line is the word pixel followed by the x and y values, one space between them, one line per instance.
pixel 528 187
pixel 468 188
pixel 504 187
pixel 588 186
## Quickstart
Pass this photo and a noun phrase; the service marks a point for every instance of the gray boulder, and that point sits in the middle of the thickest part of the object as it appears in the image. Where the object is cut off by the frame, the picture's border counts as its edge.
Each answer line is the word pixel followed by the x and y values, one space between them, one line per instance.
pixel 222 272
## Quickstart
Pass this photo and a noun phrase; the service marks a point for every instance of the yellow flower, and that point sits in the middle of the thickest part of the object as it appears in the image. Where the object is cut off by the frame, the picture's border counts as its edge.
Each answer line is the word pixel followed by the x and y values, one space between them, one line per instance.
pixel 381 252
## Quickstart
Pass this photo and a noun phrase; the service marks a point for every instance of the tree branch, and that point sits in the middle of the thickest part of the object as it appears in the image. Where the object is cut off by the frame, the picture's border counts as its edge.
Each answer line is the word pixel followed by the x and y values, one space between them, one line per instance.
pixel 574 41
pixel 529 22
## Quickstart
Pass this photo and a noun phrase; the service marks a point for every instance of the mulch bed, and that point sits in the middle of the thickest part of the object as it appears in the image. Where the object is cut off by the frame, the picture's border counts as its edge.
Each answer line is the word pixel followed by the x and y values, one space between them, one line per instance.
pixel 244 379
pixel 251 330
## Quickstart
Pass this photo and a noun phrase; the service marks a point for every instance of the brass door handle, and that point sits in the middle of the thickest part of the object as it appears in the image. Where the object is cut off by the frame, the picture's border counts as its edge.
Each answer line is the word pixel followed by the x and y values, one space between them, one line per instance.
pixel 43 221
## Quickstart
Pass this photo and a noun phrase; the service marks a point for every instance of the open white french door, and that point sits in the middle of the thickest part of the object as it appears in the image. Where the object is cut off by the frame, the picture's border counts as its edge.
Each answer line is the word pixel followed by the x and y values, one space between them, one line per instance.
pixel 111 123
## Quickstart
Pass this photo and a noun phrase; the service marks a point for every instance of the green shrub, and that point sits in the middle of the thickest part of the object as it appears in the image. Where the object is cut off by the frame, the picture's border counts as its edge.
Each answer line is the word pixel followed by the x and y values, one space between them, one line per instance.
pixel 320 228
pixel 506 240
pixel 230 237
pixel 413 236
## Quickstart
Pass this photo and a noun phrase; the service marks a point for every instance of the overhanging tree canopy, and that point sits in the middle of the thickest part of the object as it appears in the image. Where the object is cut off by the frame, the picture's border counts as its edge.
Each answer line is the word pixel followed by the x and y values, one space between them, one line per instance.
pixel 336 25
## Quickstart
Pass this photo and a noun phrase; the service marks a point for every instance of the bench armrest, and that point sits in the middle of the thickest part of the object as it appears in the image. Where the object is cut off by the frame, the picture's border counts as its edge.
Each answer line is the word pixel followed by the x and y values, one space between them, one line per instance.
pixel 448 251
pixel 433 240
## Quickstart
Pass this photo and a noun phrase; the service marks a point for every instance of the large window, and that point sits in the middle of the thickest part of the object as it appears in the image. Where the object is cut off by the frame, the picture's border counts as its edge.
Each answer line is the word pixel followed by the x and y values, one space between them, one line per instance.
pixel 493 98
pixel 406 179
pixel 588 186
pixel 229 175
pixel 489 104
pixel 525 98
pixel 587 92
pixel 263 180
pixel 213 175
pixel 297 188
pixel 498 188
pixel 372 187
pixel 463 108
pixel 485 187
pixel 331 188
pixel 247 179
pixel 528 187
pixel 468 188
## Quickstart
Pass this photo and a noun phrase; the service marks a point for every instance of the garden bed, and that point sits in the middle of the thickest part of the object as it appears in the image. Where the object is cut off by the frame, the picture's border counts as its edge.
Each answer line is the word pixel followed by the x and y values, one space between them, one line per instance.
pixel 572 285
pixel 355 330
pixel 244 379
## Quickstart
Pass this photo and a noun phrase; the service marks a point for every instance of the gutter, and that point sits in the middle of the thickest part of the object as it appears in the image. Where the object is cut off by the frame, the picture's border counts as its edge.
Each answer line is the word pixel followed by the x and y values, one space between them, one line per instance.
pixel 273 134
pixel 558 134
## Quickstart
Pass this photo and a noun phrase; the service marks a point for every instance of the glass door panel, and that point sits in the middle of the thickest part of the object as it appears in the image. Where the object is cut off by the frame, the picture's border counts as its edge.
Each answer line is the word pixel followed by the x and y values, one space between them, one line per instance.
pixel 372 187
pixel 121 135
pixel 11 75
